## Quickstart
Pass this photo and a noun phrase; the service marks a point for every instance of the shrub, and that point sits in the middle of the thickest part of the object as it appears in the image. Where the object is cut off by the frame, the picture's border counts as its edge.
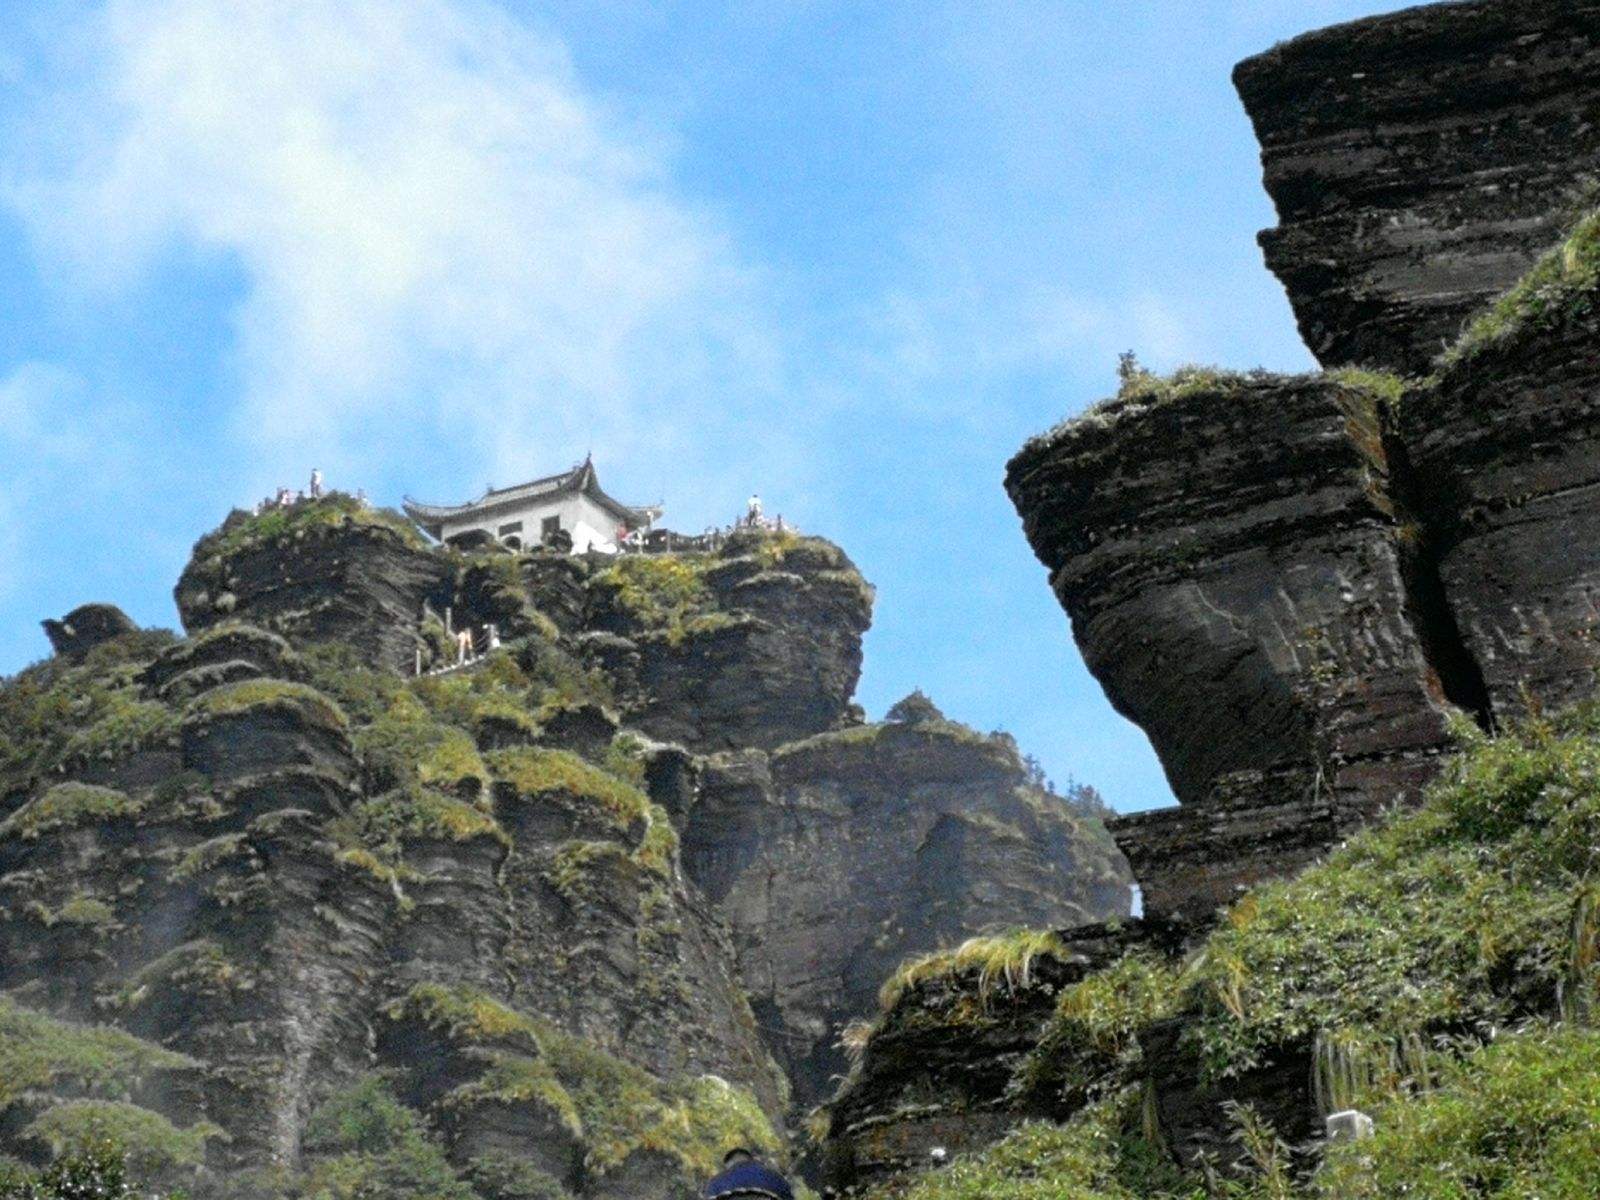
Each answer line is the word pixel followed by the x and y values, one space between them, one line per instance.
pixel 537 772
pixel 1519 1118
pixel 149 1141
pixel 68 806
pixel 1559 286
pixel 364 1143
pixel 242 530
pixel 99 1172
pixel 38 1053
pixel 1000 960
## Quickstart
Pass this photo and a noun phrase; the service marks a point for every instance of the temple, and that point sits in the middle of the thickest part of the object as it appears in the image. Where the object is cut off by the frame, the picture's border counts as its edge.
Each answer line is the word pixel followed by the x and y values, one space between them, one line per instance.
pixel 568 510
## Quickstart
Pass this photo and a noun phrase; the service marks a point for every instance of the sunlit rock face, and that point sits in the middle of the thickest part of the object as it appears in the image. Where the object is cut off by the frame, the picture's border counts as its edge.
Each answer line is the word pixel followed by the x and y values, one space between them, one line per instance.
pixel 1229 555
pixel 1420 162
pixel 487 906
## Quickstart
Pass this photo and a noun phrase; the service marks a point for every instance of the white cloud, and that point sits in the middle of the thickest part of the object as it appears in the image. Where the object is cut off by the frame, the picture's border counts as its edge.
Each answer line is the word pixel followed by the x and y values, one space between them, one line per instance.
pixel 440 234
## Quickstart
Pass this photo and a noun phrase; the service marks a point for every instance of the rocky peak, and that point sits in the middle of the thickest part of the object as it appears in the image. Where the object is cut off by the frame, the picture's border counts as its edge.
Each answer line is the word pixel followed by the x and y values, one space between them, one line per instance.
pixel 1420 162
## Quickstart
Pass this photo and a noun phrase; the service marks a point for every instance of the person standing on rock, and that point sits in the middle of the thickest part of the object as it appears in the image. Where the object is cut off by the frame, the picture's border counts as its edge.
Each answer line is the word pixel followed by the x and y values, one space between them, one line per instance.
pixel 316 483
pixel 744 1175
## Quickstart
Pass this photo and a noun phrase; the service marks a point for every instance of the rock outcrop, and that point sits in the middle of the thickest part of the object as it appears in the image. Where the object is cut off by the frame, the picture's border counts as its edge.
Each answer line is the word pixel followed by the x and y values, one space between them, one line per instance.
pixel 1420 162
pixel 85 627
pixel 753 645
pixel 290 878
pixel 1226 547
pixel 335 572
pixel 835 858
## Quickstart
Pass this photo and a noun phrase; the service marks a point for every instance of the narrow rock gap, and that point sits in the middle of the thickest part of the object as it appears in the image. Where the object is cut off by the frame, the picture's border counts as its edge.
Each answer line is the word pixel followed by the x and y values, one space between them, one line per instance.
pixel 1428 608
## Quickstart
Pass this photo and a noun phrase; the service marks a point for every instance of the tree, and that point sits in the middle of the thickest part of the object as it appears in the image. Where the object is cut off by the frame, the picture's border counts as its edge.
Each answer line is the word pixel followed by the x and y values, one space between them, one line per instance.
pixel 914 709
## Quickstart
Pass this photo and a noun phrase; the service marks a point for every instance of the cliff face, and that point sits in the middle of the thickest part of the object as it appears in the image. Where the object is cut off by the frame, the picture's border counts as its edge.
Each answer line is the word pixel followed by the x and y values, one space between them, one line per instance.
pixel 835 858
pixel 1420 162
pixel 1226 547
pixel 1291 583
pixel 257 880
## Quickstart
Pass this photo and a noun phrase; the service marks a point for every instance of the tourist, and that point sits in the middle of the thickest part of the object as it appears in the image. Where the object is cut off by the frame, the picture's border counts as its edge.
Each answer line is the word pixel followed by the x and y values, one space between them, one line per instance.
pixel 744 1175
pixel 316 483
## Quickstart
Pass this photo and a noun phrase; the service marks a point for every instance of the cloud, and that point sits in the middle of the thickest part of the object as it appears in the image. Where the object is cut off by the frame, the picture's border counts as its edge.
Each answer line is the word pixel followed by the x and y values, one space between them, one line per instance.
pixel 439 234
pixel 52 438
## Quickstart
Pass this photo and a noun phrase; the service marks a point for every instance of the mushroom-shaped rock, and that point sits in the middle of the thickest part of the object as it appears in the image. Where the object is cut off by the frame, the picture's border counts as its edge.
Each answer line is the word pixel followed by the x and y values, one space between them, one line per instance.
pixel 85 627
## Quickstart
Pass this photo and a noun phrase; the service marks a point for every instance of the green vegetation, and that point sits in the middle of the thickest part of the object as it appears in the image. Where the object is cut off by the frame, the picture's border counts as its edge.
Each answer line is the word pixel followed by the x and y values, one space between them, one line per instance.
pixel 407 745
pixel 362 1142
pixel 1519 1118
pixel 126 725
pixel 1397 967
pixel 44 707
pixel 149 1141
pixel 1098 1155
pixel 39 1053
pixel 1559 288
pixel 1000 960
pixel 415 811
pixel 613 1106
pixel 1453 919
pixel 336 510
pixel 234 698
pixel 68 806
pixel 192 968
pixel 542 774
pixel 336 670
pixel 1093 1037
pixel 99 1172
pixel 513 1179
pixel 1382 385
pixel 660 591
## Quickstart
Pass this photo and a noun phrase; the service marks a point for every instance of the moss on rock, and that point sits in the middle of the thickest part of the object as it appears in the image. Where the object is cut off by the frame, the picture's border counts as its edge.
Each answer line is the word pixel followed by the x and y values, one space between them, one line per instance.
pixel 68 806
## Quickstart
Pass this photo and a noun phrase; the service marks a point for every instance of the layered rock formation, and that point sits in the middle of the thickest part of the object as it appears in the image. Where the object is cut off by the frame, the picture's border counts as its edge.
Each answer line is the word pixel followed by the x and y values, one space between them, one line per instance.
pixel 1289 583
pixel 296 884
pixel 1226 548
pixel 835 858
pixel 1420 162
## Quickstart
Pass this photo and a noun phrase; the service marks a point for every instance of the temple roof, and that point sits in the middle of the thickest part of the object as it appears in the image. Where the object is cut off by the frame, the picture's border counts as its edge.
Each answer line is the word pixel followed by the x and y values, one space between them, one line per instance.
pixel 581 478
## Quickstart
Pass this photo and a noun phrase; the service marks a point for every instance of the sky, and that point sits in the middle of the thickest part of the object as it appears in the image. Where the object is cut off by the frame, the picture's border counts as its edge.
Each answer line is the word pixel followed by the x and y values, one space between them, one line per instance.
pixel 847 255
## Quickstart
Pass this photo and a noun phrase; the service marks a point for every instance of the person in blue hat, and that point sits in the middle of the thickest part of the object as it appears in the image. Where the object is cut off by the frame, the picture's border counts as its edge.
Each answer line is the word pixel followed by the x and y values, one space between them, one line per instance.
pixel 744 1175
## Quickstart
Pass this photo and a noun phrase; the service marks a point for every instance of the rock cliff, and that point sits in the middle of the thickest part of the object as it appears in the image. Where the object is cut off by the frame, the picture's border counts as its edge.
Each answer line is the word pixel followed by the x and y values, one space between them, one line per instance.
pixel 1420 163
pixel 275 913
pixel 1291 583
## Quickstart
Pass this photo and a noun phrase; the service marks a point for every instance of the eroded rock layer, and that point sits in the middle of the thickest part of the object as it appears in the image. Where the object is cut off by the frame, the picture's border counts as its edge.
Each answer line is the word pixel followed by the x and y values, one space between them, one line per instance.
pixel 1420 162
pixel 835 858
pixel 1505 448
pixel 1225 546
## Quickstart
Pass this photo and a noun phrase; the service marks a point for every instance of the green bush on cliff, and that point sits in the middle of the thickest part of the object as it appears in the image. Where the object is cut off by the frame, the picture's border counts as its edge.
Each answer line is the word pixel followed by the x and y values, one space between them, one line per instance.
pixel 407 745
pixel 1560 286
pixel 242 530
pixel 362 1142
pixel 125 725
pixel 1003 960
pixel 68 806
pixel 536 773
pixel 415 811
pixel 149 1141
pixel 615 1107
pixel 99 1172
pixel 1519 1118
pixel 1476 909
pixel 39 1054
pixel 44 707
pixel 660 591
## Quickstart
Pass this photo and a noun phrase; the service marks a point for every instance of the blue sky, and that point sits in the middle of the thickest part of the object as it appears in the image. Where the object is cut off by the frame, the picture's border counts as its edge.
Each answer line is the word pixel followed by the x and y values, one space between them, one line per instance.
pixel 848 255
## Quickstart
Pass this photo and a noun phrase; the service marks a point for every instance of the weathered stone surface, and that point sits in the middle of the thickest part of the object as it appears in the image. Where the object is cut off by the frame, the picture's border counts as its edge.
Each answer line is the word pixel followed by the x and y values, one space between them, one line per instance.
pixel 1227 551
pixel 85 627
pixel 837 857
pixel 359 584
pixel 753 645
pixel 940 1067
pixel 1505 449
pixel 1420 162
